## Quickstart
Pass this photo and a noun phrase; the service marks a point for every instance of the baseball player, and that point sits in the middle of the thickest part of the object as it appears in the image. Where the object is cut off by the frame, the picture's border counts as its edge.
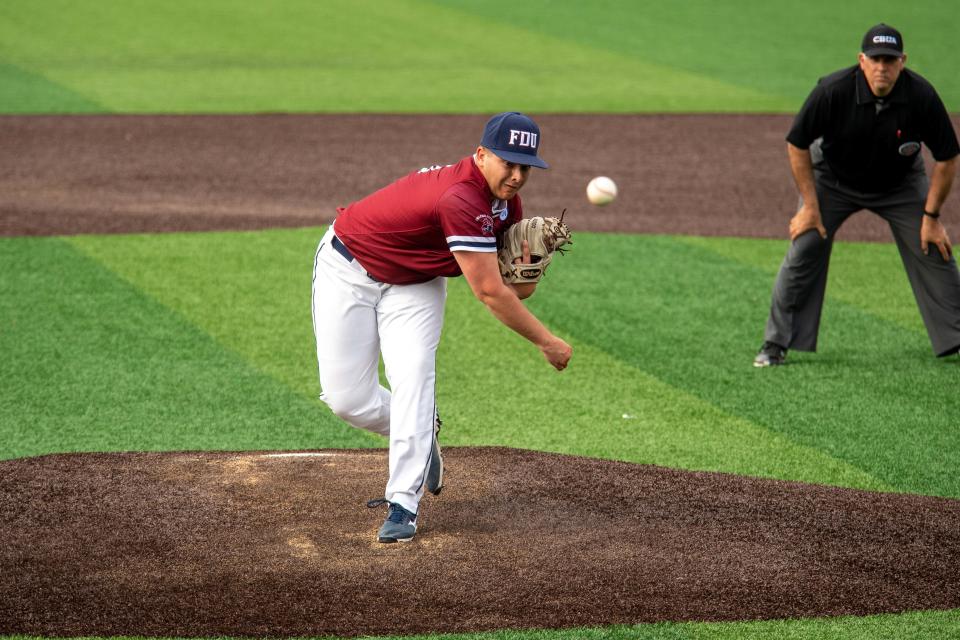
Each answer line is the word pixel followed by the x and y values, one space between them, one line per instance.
pixel 379 287
pixel 856 145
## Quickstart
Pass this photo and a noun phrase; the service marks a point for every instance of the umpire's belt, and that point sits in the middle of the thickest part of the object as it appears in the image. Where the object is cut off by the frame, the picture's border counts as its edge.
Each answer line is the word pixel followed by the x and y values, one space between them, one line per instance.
pixel 342 250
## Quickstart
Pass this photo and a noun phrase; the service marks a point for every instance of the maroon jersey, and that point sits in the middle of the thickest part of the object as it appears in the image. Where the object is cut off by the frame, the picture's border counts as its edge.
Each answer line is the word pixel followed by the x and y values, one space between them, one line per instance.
pixel 406 232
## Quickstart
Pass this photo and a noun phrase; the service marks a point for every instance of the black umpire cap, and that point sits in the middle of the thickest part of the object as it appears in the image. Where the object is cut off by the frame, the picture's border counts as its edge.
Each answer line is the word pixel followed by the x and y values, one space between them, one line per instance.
pixel 882 40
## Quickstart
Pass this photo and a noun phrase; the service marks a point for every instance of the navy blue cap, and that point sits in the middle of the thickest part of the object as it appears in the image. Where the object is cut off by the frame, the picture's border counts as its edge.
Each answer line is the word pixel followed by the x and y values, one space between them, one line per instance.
pixel 514 137
pixel 882 40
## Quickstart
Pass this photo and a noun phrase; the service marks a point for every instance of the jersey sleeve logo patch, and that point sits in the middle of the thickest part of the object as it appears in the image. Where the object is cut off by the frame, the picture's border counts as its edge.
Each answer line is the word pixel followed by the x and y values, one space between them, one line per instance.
pixel 486 224
pixel 499 209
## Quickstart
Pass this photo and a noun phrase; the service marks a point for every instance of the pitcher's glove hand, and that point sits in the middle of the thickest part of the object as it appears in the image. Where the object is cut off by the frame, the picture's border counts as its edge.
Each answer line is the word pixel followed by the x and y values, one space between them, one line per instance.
pixel 543 236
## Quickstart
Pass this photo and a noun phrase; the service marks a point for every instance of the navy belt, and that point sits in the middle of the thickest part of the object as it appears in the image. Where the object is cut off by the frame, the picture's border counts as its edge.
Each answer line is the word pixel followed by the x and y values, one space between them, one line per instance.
pixel 342 249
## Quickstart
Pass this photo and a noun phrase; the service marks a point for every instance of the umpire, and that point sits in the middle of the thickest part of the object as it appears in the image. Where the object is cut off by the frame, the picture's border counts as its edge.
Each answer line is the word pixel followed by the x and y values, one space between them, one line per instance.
pixel 856 145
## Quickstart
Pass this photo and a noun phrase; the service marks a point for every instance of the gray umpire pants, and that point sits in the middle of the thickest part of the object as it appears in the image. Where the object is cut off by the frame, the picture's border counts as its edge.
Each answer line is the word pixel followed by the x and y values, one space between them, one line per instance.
pixel 799 289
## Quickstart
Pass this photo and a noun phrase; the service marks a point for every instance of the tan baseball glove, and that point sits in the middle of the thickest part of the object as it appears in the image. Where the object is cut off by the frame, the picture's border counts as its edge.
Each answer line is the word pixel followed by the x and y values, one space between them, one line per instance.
pixel 543 236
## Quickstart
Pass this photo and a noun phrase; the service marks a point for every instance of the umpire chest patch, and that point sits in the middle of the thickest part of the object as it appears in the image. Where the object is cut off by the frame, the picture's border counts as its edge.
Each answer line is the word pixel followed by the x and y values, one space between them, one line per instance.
pixel 909 148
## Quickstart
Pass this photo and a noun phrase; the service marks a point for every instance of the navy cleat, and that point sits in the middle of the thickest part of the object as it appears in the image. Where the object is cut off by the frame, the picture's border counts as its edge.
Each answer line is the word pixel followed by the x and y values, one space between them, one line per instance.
pixel 400 525
pixel 771 355
pixel 435 470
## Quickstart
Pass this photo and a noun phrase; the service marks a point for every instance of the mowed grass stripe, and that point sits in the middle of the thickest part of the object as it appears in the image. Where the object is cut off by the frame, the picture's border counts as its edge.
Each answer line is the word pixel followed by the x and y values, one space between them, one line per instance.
pixel 217 56
pixel 92 364
pixel 505 393
pixel 23 91
pixel 694 319
pixel 410 55
pixel 250 291
pixel 768 47
pixel 868 276
pixel 557 73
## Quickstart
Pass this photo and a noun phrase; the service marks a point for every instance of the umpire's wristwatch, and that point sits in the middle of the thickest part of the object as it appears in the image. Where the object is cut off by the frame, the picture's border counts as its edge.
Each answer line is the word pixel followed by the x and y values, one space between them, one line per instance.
pixel 935 214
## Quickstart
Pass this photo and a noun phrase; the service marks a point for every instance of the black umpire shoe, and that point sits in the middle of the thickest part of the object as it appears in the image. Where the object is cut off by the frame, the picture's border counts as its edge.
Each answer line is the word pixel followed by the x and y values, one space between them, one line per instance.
pixel 771 355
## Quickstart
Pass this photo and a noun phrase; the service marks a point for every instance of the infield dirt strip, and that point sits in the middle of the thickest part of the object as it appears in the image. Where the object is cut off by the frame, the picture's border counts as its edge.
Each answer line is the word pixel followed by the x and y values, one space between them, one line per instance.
pixel 690 174
pixel 200 544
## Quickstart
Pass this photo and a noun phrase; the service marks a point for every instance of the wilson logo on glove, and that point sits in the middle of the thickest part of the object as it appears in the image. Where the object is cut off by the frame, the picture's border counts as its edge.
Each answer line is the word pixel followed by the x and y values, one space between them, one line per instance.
pixel 544 236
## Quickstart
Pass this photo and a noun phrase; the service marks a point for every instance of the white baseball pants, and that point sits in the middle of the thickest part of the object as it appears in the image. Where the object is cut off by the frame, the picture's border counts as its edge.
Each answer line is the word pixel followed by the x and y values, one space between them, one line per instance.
pixel 355 320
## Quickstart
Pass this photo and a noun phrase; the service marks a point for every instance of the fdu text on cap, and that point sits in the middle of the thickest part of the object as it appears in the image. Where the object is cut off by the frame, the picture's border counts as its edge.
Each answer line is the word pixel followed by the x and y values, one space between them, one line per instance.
pixel 515 138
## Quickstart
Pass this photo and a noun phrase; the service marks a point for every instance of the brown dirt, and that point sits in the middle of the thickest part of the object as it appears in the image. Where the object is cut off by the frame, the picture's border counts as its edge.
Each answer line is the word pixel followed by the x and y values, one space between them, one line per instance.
pixel 690 174
pixel 245 544
pixel 204 544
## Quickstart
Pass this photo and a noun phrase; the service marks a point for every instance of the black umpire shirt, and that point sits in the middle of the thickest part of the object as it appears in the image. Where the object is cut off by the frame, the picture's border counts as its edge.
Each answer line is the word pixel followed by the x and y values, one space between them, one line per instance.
pixel 872 143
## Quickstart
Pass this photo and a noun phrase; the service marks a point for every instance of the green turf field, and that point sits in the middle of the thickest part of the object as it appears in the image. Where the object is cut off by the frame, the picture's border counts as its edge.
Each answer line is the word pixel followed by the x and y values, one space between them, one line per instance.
pixel 80 56
pixel 105 332
pixel 203 341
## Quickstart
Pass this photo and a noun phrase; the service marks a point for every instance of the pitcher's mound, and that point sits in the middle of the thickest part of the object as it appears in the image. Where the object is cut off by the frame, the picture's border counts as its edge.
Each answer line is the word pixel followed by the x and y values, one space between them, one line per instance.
pixel 197 544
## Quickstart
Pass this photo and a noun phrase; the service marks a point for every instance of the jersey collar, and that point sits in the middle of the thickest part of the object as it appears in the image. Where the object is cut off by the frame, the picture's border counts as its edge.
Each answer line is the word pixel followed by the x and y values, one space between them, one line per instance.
pixel 865 96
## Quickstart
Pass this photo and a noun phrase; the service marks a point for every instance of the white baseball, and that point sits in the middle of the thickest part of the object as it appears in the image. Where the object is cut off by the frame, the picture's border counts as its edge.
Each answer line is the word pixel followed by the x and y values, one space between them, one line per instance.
pixel 601 190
